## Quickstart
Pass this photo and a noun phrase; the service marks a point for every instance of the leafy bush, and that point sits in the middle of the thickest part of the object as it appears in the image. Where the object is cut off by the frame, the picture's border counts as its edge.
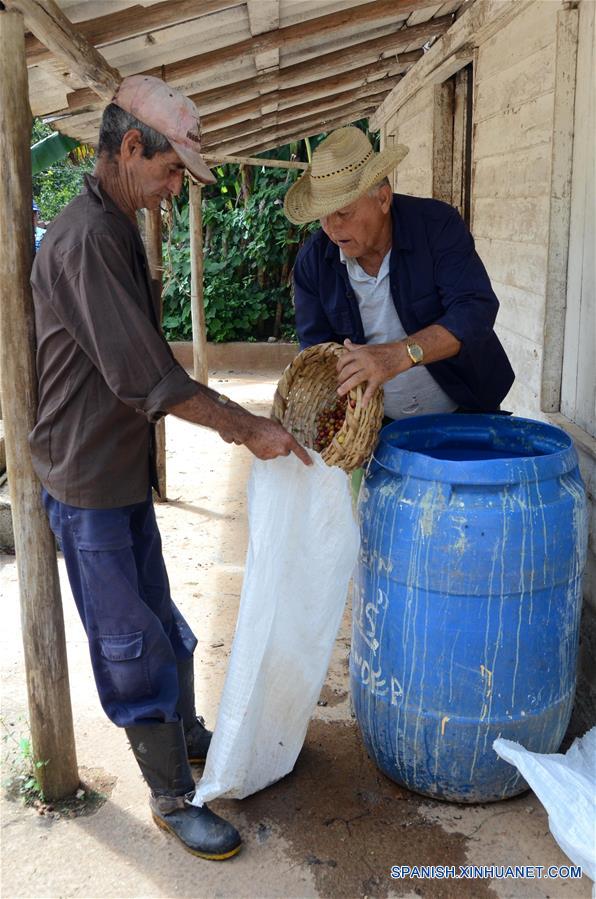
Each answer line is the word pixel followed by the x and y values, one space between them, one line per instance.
pixel 57 185
pixel 250 246
pixel 176 321
pixel 249 251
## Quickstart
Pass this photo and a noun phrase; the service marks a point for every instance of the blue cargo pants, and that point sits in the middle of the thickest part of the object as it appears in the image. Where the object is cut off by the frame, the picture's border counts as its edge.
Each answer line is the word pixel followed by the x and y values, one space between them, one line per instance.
pixel 120 585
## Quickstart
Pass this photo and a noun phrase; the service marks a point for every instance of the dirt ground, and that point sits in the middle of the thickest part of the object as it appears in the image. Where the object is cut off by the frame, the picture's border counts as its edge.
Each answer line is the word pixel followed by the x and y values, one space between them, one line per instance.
pixel 333 828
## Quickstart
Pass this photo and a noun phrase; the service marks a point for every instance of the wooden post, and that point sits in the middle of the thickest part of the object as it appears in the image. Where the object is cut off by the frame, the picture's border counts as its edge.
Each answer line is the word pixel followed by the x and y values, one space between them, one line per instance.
pixel 567 76
pixel 199 336
pixel 155 258
pixel 42 622
pixel 251 160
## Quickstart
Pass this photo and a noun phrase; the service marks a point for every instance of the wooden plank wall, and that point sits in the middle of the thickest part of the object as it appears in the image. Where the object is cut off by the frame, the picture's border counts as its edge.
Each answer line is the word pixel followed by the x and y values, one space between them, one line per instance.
pixel 412 125
pixel 514 211
pixel 578 389
pixel 578 393
pixel 512 153
pixel 513 115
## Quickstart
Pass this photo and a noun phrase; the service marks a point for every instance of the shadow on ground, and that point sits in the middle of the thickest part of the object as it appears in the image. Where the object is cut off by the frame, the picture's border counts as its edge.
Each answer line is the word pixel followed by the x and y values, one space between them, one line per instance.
pixel 350 824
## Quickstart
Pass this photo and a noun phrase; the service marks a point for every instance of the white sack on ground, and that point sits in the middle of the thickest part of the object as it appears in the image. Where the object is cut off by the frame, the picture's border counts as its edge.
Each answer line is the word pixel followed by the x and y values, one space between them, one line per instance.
pixel 566 787
pixel 303 543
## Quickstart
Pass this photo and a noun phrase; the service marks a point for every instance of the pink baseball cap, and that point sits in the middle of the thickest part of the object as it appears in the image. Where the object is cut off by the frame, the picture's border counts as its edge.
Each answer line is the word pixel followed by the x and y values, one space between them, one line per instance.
pixel 169 112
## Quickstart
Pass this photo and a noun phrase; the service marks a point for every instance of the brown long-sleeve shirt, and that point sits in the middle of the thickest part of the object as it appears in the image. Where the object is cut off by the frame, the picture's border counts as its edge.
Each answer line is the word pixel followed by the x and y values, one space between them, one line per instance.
pixel 105 371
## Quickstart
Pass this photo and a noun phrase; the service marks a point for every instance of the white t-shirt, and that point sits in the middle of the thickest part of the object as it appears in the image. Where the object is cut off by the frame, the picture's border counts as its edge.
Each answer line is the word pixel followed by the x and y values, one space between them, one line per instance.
pixel 415 391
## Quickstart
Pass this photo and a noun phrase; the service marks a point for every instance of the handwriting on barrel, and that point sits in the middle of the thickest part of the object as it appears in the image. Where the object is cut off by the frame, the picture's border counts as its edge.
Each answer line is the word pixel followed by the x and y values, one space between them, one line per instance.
pixel 373 678
pixel 367 616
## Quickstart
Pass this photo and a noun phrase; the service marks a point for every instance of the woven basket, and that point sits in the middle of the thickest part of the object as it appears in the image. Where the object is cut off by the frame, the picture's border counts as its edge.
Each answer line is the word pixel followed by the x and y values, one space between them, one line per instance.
pixel 307 388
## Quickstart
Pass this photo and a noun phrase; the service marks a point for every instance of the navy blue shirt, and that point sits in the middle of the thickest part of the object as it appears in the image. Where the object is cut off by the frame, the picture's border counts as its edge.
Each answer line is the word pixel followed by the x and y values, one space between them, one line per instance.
pixel 436 278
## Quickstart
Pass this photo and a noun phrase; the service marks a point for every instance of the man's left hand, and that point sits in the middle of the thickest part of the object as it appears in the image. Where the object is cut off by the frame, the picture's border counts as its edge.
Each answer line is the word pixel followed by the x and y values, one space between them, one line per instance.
pixel 371 363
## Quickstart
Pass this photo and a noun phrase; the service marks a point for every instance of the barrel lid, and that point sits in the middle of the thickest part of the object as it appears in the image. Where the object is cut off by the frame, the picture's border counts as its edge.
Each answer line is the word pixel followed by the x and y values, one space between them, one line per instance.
pixel 475 449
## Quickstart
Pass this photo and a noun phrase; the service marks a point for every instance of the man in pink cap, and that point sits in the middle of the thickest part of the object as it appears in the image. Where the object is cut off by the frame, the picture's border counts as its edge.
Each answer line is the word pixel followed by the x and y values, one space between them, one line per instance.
pixel 106 375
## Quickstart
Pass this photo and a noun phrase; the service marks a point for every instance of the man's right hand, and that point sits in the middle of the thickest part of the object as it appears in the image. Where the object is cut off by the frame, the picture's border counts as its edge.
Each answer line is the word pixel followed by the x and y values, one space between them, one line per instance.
pixel 265 438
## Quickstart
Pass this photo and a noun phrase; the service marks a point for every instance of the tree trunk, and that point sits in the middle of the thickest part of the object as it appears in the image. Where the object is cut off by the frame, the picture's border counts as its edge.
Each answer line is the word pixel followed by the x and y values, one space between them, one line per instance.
pixel 246 182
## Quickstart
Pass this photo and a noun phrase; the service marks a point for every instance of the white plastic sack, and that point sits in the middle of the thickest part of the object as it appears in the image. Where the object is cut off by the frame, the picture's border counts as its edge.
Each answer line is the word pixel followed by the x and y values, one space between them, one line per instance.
pixel 566 787
pixel 302 549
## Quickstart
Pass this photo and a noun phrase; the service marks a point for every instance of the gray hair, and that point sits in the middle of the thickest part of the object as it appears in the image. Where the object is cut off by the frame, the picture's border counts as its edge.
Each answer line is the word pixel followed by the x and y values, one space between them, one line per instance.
pixel 376 187
pixel 115 122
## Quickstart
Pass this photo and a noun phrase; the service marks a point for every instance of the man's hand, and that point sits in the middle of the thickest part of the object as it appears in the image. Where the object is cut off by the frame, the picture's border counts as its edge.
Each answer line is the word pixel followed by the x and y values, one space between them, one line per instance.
pixel 377 363
pixel 265 438
pixel 372 363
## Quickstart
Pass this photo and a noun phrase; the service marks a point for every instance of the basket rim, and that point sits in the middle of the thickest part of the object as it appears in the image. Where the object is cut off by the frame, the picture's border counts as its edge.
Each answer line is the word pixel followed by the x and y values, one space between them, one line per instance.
pixel 348 449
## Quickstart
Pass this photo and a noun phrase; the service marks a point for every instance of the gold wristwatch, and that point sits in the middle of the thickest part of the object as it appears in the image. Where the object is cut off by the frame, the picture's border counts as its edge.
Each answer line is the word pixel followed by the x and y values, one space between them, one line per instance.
pixel 415 352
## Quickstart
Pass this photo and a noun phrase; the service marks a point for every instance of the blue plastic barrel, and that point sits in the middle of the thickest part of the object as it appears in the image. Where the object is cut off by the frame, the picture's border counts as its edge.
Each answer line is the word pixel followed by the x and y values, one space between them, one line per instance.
pixel 467 599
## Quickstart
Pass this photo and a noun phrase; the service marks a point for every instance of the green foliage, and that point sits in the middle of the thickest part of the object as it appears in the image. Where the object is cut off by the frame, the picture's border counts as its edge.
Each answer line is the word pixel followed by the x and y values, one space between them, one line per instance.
pixel 23 778
pixel 176 321
pixel 49 150
pixel 249 251
pixel 250 247
pixel 57 184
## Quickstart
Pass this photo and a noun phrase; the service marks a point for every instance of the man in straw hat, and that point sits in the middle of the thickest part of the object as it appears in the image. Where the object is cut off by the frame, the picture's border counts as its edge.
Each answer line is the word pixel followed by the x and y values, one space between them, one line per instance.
pixel 397 280
pixel 106 375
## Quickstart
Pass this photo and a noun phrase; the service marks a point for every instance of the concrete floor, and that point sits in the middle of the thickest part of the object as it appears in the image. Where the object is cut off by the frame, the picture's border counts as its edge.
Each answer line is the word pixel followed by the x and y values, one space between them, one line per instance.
pixel 333 828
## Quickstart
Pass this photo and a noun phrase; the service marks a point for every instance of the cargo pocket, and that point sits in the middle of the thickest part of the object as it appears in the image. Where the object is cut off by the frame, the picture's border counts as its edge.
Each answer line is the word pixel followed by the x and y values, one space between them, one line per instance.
pixel 124 668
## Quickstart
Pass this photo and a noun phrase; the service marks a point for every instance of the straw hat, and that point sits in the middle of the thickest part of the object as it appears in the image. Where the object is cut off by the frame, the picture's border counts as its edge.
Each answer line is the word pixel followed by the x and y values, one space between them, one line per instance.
pixel 344 166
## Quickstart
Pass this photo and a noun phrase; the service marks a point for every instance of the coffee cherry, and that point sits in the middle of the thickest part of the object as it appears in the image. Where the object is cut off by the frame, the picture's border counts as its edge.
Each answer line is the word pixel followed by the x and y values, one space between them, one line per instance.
pixel 329 421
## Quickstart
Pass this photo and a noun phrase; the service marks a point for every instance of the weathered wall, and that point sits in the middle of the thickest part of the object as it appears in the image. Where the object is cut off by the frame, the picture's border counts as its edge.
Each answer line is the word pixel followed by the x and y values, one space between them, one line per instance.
pixel 239 356
pixel 513 127
pixel 512 191
pixel 515 206
pixel 412 125
pixel 513 123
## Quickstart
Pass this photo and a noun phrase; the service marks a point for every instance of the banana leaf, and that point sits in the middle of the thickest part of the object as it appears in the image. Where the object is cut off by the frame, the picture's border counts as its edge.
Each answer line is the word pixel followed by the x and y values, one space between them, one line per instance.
pixel 49 150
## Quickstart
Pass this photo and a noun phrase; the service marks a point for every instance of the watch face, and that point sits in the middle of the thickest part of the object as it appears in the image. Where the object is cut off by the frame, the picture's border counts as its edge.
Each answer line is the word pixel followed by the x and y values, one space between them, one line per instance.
pixel 416 353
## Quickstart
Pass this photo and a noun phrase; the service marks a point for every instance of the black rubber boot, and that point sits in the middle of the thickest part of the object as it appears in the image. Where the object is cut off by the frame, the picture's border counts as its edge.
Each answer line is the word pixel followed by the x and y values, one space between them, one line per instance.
pixel 198 738
pixel 160 751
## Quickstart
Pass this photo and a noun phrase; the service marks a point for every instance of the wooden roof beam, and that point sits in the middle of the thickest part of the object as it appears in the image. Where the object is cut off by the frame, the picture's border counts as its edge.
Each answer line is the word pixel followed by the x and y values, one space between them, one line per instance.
pixel 293 101
pixel 366 52
pixel 135 21
pixel 248 117
pixel 373 92
pixel 293 114
pixel 479 21
pixel 324 86
pixel 284 137
pixel 263 16
pixel 47 21
pixel 279 135
pixel 364 14
pixel 250 160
